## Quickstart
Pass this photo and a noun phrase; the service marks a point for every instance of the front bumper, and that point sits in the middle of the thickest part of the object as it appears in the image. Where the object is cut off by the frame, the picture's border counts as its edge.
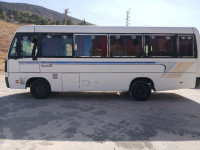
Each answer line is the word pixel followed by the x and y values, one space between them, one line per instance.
pixel 7 83
pixel 197 82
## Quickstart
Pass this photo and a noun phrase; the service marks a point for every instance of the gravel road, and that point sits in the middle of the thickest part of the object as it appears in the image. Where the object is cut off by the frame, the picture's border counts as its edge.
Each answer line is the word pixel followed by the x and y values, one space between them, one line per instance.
pixel 99 121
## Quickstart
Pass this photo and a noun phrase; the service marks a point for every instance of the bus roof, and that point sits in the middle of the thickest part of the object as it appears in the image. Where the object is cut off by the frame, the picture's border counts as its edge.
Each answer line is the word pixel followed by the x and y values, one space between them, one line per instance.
pixel 104 29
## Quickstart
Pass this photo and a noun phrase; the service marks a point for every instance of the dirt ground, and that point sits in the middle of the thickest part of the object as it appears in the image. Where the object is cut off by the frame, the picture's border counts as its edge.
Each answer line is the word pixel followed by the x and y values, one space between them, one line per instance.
pixel 99 121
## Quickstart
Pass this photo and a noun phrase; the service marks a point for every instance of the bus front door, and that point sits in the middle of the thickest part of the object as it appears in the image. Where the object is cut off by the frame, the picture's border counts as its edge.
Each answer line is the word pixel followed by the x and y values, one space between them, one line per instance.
pixel 28 61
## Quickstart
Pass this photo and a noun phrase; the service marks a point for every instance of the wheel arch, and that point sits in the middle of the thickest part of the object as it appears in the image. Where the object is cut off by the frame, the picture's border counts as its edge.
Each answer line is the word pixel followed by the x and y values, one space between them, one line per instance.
pixel 31 80
pixel 145 79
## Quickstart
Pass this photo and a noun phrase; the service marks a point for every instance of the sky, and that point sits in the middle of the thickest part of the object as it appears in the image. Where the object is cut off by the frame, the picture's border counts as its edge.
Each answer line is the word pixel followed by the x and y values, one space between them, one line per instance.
pixel 181 13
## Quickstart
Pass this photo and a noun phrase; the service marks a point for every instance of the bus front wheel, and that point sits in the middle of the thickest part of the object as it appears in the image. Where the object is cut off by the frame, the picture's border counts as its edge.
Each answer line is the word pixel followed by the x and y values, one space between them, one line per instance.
pixel 140 90
pixel 40 89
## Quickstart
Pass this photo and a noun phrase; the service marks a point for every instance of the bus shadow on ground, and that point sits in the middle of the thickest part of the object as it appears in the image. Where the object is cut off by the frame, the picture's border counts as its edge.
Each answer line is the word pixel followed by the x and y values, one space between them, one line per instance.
pixel 97 116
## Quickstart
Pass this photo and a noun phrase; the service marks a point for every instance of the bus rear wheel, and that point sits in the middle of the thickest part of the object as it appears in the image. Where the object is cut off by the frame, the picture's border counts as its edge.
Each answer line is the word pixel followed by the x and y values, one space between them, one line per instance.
pixel 140 91
pixel 40 89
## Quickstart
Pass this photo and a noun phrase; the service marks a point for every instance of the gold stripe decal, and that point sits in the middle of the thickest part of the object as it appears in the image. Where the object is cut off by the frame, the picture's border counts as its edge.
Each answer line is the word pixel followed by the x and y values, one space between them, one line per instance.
pixel 181 68
pixel 174 75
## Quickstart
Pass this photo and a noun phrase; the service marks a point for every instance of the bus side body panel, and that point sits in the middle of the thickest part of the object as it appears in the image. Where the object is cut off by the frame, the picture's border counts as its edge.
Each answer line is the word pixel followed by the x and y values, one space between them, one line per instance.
pixel 19 80
pixel 70 82
pixel 65 76
pixel 121 82
pixel 86 74
pixel 101 81
pixel 13 65
pixel 28 65
pixel 14 81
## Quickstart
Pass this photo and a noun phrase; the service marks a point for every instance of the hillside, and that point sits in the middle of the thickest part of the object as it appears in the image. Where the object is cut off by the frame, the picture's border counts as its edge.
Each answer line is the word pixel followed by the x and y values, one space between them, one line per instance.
pixel 41 11
pixel 7 30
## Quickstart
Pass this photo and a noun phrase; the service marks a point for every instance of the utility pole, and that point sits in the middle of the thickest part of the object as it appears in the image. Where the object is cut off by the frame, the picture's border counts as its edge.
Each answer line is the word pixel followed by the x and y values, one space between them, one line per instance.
pixel 128 17
pixel 66 12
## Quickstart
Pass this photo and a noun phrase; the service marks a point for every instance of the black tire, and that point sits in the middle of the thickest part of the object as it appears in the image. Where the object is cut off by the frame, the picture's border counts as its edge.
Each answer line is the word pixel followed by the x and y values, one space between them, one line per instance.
pixel 140 90
pixel 40 89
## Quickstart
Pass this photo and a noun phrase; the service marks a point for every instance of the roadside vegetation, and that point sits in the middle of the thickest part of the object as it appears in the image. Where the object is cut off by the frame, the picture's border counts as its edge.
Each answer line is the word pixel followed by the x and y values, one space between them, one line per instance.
pixel 23 17
pixel 26 17
pixel 7 30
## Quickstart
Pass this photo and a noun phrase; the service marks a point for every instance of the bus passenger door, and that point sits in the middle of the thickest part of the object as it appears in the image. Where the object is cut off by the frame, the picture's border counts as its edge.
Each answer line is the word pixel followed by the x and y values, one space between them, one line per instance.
pixel 28 61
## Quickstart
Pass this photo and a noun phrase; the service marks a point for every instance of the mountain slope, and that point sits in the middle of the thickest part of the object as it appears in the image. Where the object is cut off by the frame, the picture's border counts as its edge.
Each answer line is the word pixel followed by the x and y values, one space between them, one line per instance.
pixel 44 12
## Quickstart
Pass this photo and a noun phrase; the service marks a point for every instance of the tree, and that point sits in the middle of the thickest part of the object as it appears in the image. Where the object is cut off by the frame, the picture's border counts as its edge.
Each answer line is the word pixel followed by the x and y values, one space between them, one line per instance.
pixel 1 11
pixel 16 14
pixel 2 14
pixel 43 21
pixel 9 14
pixel 35 17
pixel 69 22
pixel 58 22
pixel 52 23
pixel 81 23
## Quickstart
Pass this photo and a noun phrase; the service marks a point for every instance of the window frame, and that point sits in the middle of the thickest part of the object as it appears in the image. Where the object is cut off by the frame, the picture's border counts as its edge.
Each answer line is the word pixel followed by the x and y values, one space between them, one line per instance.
pixel 57 33
pixel 11 46
pixel 18 47
pixel 39 36
pixel 193 45
pixel 95 34
pixel 20 50
pixel 162 34
pixel 141 53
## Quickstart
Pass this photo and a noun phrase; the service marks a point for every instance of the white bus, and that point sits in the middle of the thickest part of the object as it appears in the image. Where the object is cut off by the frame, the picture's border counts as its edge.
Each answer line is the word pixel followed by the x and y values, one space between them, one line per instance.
pixel 91 58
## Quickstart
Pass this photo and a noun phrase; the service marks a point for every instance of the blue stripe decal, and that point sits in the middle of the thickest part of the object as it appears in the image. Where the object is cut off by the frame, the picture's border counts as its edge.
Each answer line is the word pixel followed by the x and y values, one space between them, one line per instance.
pixel 93 62
pixel 29 62
pixel 102 63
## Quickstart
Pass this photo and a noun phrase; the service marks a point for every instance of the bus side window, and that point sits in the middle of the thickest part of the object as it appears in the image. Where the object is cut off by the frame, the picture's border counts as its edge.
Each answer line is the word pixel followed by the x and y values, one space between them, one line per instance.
pixel 160 46
pixel 186 47
pixel 57 45
pixel 90 45
pixel 125 45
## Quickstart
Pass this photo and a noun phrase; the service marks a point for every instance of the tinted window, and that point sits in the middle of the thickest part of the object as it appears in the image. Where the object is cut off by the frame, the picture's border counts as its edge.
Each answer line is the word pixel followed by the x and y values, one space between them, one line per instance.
pixel 91 45
pixel 122 45
pixel 56 45
pixel 186 47
pixel 160 46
